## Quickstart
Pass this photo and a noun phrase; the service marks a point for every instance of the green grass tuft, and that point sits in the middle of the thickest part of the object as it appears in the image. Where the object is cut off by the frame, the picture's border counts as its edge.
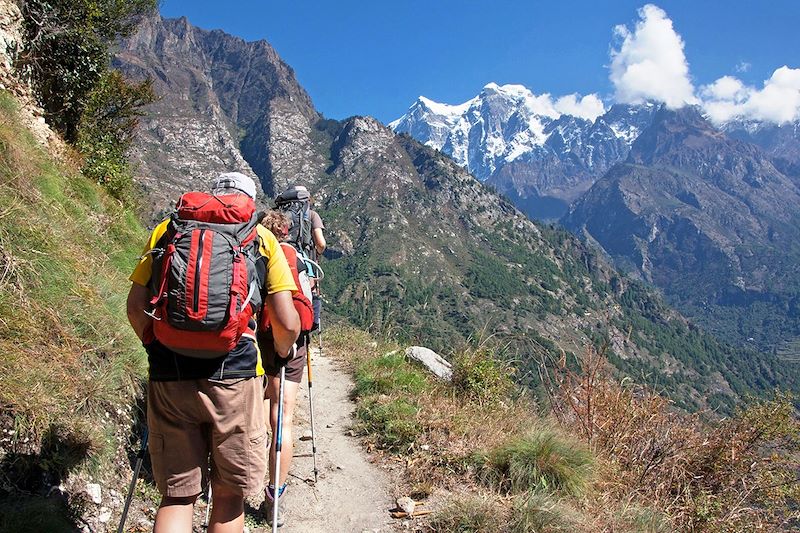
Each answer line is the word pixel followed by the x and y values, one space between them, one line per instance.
pixel 393 422
pixel 542 461
pixel 390 373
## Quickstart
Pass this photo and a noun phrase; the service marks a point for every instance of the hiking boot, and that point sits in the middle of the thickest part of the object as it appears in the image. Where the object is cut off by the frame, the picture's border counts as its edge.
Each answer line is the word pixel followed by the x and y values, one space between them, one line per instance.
pixel 267 508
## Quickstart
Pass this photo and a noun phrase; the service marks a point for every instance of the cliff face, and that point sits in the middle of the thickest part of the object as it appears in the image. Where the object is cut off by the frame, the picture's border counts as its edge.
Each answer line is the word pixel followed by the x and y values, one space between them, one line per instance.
pixel 224 104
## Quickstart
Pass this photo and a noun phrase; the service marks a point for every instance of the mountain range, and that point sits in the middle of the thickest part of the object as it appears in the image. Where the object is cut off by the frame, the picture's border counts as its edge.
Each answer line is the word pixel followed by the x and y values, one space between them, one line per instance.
pixel 520 144
pixel 419 248
pixel 706 213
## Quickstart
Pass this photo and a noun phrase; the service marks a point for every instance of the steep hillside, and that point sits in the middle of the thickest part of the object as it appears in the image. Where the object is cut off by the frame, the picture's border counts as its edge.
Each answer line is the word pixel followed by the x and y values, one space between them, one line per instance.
pixel 423 251
pixel 710 220
pixel 70 367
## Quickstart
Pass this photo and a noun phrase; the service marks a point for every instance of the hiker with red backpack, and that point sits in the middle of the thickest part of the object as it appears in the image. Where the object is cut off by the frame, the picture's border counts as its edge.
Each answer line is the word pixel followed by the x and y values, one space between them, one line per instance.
pixel 291 371
pixel 205 273
pixel 305 234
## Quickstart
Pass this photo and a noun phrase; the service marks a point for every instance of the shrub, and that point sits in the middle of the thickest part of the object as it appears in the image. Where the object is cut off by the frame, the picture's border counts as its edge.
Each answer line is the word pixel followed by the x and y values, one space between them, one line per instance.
pixel 479 376
pixel 66 51
pixel 734 474
pixel 106 130
pixel 542 461
pixel 66 57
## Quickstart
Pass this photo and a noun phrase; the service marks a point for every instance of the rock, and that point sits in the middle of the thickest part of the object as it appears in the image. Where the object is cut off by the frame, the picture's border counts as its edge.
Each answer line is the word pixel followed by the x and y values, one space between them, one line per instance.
pixel 306 436
pixel 95 493
pixel 329 426
pixel 434 362
pixel 406 504
pixel 105 515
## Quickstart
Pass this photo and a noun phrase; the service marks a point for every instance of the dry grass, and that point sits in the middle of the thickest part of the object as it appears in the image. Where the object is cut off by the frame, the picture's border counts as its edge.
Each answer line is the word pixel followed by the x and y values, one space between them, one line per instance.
pixel 733 474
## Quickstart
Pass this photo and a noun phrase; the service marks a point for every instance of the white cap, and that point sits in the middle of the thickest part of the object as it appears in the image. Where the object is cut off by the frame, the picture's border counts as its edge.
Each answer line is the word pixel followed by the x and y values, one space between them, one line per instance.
pixel 236 181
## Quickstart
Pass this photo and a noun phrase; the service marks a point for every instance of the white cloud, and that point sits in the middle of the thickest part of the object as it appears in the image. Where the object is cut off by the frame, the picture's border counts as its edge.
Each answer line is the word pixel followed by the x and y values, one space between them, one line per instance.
pixel 649 63
pixel 588 107
pixel 742 66
pixel 777 101
pixel 725 88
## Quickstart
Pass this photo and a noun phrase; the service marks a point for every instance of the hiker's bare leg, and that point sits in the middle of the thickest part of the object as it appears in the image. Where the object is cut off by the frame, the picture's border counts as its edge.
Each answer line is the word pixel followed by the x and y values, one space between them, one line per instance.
pixel 227 510
pixel 174 515
pixel 290 394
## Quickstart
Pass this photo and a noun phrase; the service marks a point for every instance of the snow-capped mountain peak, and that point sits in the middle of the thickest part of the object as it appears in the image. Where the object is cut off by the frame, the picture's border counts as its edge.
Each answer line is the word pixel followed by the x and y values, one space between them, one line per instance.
pixel 522 140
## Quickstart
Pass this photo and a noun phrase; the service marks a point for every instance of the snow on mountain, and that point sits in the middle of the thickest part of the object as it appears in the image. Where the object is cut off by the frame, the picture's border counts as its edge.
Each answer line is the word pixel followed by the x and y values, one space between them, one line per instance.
pixel 500 124
pixel 523 143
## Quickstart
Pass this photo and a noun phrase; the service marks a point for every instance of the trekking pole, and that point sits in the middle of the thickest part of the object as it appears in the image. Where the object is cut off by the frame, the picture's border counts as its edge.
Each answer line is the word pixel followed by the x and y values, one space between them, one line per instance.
pixel 208 506
pixel 311 410
pixel 136 469
pixel 278 444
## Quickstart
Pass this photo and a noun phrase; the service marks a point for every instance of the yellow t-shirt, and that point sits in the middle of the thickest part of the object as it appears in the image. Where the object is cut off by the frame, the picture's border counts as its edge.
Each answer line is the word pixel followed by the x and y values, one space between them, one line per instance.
pixel 279 275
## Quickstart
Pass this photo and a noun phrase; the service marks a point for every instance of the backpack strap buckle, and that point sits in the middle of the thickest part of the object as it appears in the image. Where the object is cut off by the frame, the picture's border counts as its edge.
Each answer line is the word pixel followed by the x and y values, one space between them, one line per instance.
pixel 152 314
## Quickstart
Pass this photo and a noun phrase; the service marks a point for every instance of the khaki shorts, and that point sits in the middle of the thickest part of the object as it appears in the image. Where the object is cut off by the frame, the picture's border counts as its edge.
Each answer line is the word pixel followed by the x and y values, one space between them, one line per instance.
pixel 190 420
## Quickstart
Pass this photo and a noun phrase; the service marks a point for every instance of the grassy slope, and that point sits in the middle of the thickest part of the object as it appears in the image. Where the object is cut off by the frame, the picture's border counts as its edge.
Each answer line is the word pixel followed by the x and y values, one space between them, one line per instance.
pixel 69 363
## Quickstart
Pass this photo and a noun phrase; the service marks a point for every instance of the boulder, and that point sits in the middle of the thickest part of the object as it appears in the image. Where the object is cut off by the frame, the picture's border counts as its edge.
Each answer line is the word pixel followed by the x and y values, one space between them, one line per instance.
pixel 434 362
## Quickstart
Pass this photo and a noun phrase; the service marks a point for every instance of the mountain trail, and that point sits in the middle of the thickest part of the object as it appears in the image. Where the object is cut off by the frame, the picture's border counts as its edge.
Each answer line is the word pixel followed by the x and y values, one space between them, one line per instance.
pixel 353 494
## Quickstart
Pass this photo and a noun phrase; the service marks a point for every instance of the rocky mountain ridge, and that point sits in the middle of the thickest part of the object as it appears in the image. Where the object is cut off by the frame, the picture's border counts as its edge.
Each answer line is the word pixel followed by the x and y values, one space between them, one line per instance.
pixel 224 104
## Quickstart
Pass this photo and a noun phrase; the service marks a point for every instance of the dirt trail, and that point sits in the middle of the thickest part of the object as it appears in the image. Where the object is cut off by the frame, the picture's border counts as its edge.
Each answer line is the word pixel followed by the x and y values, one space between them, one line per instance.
pixel 353 494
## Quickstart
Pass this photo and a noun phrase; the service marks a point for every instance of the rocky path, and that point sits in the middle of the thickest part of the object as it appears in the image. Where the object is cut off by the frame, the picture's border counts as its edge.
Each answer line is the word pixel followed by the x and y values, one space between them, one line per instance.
pixel 352 494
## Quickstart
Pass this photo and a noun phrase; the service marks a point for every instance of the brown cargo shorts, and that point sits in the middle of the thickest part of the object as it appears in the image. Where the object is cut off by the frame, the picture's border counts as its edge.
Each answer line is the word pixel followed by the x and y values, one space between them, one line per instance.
pixel 190 420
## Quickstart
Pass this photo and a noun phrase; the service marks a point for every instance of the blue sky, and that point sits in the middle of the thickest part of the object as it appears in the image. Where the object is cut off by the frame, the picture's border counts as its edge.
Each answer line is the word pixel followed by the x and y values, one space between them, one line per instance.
pixel 375 58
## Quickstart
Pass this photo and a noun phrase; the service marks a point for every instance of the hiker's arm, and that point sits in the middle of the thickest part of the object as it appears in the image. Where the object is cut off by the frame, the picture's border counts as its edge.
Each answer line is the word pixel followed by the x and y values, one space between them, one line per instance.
pixel 284 321
pixel 138 302
pixel 319 240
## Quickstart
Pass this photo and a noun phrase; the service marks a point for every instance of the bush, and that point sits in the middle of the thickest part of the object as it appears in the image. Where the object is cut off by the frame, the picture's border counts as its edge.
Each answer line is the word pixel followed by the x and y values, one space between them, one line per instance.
pixel 66 56
pixel 107 128
pixel 480 377
pixel 66 51
pixel 543 461
pixel 734 474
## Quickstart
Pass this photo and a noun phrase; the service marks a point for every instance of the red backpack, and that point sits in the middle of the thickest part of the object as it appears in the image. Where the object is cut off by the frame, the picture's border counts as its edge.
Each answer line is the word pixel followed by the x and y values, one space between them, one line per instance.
pixel 205 282
pixel 302 303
